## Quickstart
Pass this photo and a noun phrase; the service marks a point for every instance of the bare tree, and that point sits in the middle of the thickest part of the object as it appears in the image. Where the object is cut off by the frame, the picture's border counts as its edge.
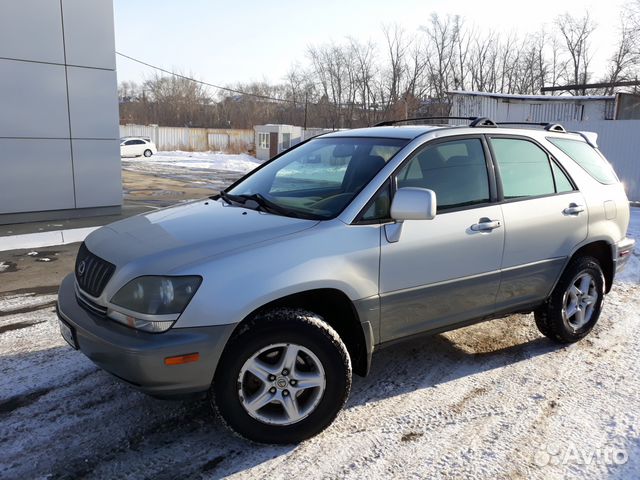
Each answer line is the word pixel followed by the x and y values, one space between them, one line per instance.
pixel 576 33
pixel 483 64
pixel 623 64
pixel 397 47
pixel 354 83
pixel 366 70
pixel 442 36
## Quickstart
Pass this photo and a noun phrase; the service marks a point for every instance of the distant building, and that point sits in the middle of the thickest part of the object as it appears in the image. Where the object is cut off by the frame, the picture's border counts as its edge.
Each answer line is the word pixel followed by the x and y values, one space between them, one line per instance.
pixel 271 139
pixel 503 107
pixel 59 148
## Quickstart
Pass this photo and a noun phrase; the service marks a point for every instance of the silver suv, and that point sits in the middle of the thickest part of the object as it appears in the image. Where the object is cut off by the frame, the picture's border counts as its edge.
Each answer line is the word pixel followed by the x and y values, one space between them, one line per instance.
pixel 271 294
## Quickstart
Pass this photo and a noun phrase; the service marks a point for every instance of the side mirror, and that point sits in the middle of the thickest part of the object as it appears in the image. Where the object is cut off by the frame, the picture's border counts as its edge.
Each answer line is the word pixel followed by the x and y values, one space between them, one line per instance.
pixel 412 203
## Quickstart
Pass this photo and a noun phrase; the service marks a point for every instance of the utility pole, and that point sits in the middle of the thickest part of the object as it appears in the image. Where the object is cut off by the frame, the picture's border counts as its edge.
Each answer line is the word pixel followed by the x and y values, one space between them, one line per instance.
pixel 306 102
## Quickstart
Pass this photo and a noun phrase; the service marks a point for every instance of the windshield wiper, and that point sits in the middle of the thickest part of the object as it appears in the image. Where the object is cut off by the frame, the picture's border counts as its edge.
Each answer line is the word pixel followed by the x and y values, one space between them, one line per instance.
pixel 265 204
pixel 231 199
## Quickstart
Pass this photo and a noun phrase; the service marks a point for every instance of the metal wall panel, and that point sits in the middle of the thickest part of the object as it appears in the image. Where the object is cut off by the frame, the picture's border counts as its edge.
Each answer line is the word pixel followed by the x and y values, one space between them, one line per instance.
pixel 88 32
pixel 31 30
pixel 33 100
pixel 619 141
pixel 93 159
pixel 93 104
pixel 36 175
pixel 218 141
pixel 37 162
pixel 515 109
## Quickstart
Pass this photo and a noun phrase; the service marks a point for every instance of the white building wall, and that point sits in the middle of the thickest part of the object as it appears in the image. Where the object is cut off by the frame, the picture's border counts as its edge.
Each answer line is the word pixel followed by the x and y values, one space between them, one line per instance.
pixel 296 136
pixel 59 147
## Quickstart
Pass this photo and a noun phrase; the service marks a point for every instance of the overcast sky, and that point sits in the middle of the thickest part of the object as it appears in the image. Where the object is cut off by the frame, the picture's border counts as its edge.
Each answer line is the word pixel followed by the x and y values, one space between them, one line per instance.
pixel 225 42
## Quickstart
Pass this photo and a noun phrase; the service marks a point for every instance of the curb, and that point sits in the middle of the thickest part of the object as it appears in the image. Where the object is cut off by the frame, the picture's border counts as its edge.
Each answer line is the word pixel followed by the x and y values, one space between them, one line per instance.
pixel 44 239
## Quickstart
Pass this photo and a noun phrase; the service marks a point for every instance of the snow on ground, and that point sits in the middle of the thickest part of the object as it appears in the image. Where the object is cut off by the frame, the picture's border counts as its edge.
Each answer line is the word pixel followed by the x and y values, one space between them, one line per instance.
pixel 494 400
pixel 217 160
pixel 179 160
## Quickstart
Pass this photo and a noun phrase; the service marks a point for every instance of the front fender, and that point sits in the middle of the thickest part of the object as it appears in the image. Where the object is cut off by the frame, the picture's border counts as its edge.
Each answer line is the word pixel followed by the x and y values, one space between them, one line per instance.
pixel 332 255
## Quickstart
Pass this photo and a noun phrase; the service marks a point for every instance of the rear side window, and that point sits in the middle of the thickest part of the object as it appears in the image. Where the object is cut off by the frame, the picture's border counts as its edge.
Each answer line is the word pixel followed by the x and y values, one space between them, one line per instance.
pixel 524 168
pixel 588 158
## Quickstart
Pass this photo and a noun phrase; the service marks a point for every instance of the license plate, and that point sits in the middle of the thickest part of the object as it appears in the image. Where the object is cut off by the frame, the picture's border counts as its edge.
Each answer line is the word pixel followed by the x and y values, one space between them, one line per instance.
pixel 67 334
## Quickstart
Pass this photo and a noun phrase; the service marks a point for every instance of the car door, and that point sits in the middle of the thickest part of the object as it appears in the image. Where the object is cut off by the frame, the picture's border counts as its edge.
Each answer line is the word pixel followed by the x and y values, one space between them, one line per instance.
pixel 445 271
pixel 544 219
pixel 127 148
pixel 138 148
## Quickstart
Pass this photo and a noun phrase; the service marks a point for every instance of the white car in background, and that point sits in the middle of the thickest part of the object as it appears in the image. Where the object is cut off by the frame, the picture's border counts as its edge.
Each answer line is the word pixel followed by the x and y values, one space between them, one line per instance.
pixel 137 146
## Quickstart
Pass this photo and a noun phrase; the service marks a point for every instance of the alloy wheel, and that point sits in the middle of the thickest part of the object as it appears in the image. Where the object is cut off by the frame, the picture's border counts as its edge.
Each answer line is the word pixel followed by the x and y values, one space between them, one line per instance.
pixel 281 384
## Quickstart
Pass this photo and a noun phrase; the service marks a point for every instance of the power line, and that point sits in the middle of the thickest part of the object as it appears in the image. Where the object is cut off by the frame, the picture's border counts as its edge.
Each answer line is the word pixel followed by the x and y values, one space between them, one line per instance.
pixel 227 89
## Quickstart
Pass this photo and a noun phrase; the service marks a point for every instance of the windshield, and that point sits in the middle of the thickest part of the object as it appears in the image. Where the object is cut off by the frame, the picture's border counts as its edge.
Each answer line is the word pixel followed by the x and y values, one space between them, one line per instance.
pixel 316 180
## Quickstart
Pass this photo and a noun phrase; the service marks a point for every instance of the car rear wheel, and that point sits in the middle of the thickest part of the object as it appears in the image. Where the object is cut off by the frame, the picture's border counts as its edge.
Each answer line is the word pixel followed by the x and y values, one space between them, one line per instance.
pixel 282 379
pixel 574 306
pixel 148 153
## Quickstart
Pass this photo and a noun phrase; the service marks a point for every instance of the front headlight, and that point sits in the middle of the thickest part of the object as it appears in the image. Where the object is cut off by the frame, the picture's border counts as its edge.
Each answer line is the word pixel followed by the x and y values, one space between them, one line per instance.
pixel 153 303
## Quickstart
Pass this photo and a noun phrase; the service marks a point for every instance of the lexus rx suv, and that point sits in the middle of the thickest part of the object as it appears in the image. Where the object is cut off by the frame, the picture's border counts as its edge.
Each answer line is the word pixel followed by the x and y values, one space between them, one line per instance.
pixel 271 294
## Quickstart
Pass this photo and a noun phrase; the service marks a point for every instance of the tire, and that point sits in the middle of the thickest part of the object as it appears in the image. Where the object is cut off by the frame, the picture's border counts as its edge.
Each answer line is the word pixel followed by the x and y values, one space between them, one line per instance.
pixel 148 153
pixel 554 318
pixel 261 347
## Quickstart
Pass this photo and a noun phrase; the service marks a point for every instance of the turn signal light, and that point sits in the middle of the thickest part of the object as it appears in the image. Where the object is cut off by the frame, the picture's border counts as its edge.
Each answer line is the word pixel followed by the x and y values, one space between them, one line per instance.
pixel 180 359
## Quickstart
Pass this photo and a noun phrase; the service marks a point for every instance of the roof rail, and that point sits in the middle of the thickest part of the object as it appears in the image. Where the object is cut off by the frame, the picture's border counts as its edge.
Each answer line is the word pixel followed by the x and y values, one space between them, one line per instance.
pixel 388 123
pixel 483 122
pixel 555 127
pixel 550 127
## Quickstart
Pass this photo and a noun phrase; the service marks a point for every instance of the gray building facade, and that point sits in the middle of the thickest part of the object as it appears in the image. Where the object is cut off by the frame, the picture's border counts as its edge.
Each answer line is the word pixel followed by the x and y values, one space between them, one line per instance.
pixel 59 148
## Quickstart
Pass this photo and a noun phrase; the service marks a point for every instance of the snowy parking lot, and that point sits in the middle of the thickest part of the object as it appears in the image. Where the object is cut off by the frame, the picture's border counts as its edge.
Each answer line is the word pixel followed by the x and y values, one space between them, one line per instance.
pixel 494 400
pixel 212 170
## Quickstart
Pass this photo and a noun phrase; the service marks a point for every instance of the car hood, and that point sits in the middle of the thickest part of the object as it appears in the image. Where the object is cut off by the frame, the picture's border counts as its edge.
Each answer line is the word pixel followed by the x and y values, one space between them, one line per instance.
pixel 173 237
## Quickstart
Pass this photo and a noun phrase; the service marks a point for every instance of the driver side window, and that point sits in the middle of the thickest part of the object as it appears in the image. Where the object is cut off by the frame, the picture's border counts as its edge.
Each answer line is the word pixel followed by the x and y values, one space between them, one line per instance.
pixel 456 171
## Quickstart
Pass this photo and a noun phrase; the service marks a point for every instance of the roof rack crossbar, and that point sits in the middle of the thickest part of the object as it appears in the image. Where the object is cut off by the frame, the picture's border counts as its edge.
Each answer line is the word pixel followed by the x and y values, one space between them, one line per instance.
pixel 540 124
pixel 550 127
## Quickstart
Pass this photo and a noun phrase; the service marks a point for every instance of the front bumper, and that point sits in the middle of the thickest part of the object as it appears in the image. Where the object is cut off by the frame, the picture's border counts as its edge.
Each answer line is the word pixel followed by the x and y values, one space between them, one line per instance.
pixel 138 357
pixel 622 253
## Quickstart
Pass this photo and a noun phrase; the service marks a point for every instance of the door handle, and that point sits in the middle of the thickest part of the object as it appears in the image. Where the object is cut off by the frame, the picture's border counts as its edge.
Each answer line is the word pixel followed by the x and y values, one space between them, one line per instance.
pixel 486 225
pixel 573 209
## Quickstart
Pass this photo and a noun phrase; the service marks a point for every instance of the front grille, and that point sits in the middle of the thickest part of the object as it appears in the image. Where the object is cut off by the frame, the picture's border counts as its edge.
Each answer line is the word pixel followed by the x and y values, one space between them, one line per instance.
pixel 89 305
pixel 92 272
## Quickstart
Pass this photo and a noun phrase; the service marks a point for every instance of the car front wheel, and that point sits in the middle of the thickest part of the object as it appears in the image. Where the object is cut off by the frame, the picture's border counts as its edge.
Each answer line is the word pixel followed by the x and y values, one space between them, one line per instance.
pixel 148 153
pixel 283 379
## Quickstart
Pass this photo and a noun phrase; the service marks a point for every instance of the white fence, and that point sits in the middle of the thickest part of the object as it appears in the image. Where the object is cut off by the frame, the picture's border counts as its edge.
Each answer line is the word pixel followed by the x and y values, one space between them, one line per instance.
pixel 619 140
pixel 193 139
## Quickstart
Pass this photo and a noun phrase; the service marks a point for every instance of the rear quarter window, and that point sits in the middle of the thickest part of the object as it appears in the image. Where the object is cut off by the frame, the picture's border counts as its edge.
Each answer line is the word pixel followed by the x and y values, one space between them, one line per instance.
pixel 588 158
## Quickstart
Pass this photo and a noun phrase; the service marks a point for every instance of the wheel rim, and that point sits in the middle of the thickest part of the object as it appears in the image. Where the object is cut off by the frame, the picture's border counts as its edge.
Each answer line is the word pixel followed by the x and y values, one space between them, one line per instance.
pixel 281 384
pixel 580 301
